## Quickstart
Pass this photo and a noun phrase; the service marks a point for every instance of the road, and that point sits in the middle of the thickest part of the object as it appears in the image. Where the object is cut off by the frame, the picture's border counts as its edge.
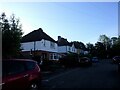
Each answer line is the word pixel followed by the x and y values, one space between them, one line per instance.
pixel 100 75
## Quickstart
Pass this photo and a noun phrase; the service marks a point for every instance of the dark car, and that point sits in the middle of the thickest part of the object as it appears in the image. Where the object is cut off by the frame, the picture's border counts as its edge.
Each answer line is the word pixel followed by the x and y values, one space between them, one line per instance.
pixel 95 59
pixel 85 61
pixel 20 74
pixel 116 59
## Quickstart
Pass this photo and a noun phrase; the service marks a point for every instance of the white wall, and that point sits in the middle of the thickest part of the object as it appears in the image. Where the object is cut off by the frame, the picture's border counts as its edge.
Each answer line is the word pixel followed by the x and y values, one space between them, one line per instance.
pixel 62 49
pixel 66 49
pixel 44 45
pixel 27 46
pixel 73 49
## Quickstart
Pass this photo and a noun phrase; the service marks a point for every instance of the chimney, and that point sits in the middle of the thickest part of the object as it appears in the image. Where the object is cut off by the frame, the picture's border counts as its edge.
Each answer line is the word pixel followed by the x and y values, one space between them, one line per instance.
pixel 59 38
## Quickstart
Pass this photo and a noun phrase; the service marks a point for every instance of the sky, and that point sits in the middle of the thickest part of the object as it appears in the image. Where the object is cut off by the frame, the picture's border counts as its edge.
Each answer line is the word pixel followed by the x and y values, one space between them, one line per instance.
pixel 75 21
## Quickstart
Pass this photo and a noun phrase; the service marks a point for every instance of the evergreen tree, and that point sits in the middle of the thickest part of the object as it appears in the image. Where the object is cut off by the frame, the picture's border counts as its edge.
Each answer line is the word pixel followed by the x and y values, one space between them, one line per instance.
pixel 11 36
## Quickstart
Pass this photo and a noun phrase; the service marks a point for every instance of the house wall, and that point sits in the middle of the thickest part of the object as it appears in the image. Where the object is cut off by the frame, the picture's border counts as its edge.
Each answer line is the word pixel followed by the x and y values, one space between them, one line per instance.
pixel 64 49
pixel 73 49
pixel 43 45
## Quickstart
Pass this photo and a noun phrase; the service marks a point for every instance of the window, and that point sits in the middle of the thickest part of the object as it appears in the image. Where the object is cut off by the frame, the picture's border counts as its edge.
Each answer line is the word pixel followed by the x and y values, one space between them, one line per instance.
pixel 13 67
pixel 52 44
pixel 72 49
pixel 55 56
pixel 44 43
pixel 51 56
pixel 30 65
pixel 69 48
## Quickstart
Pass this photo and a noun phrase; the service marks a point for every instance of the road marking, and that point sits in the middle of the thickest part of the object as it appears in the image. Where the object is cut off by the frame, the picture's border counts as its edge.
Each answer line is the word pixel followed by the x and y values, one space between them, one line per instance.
pixel 60 74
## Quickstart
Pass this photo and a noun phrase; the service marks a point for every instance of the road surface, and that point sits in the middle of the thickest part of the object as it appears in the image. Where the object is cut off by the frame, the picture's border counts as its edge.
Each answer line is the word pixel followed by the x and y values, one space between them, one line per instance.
pixel 100 75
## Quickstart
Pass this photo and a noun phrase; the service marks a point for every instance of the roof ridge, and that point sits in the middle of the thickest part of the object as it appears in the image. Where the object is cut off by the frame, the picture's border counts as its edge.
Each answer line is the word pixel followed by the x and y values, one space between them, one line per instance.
pixel 36 35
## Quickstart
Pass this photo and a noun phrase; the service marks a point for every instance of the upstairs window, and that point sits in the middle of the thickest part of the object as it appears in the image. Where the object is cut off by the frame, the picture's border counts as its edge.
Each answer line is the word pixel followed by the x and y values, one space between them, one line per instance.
pixel 69 48
pixel 52 44
pixel 44 43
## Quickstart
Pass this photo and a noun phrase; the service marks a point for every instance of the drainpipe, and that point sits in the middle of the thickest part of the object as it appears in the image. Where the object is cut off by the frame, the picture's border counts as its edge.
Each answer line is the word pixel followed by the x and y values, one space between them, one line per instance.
pixel 34 47
pixel 66 49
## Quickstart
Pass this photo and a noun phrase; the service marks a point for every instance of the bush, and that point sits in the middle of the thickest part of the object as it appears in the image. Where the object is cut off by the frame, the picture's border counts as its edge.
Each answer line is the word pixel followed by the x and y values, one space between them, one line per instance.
pixel 71 60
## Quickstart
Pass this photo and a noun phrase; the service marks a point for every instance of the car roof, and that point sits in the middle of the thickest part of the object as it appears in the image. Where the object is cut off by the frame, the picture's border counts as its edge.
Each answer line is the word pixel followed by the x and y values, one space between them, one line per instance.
pixel 116 57
pixel 18 60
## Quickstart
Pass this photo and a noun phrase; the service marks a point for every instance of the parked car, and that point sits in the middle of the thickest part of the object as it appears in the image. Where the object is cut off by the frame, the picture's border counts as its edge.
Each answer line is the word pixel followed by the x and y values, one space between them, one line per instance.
pixel 95 59
pixel 85 61
pixel 20 74
pixel 116 59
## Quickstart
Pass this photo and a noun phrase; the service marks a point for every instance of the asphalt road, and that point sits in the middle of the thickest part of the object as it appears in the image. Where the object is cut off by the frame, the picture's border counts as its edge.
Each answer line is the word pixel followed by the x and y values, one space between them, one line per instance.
pixel 100 75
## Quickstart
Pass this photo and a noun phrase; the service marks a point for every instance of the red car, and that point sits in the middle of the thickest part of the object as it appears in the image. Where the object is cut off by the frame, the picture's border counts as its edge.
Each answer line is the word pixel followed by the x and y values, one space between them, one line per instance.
pixel 20 74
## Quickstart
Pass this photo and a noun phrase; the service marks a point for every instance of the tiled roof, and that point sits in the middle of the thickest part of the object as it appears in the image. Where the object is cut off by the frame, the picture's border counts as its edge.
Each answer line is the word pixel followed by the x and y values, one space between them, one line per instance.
pixel 77 45
pixel 36 35
pixel 63 42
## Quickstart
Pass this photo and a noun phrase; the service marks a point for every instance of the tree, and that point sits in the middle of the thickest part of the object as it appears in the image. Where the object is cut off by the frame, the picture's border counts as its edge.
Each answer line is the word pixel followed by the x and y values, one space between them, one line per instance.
pixel 82 46
pixel 114 40
pixel 115 49
pixel 91 48
pixel 105 40
pixel 11 35
pixel 100 50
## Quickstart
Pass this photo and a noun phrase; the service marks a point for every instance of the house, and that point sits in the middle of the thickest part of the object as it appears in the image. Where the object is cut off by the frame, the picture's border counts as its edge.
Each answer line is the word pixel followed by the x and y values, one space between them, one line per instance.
pixel 73 48
pixel 64 47
pixel 78 47
pixel 38 43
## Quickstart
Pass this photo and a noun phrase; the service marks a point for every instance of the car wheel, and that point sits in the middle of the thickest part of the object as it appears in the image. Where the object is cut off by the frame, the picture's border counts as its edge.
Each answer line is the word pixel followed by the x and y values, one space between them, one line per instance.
pixel 33 86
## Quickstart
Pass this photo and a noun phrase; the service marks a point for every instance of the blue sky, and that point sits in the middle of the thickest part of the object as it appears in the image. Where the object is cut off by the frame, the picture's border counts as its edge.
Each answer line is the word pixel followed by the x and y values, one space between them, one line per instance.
pixel 76 21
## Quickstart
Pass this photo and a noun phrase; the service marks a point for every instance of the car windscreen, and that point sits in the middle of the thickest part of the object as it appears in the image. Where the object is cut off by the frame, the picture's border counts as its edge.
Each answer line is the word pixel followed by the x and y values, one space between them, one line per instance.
pixel 30 65
pixel 12 67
